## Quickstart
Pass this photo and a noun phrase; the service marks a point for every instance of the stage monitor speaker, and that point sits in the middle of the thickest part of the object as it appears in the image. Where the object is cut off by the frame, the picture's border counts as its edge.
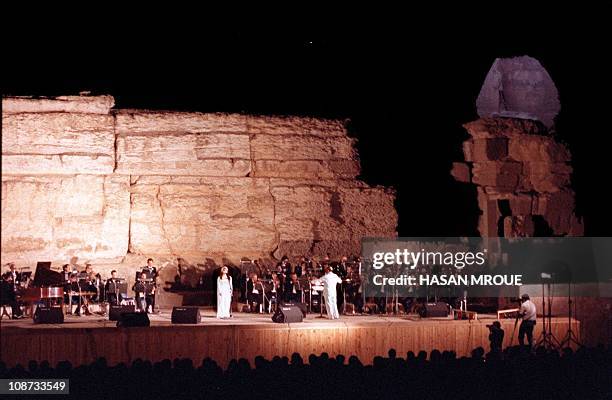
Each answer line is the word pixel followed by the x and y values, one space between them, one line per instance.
pixel 430 310
pixel 287 314
pixel 48 315
pixel 186 315
pixel 301 306
pixel 115 311
pixel 133 319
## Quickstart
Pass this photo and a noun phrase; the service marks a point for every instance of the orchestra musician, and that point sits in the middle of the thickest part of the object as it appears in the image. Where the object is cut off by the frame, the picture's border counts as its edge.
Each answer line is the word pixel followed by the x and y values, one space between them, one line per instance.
pixel 150 273
pixel 341 268
pixel 77 286
pixel 255 291
pixel 352 284
pixel 112 289
pixel 293 289
pixel 248 269
pixel 91 280
pixel 8 290
pixel 140 290
pixel 66 273
pixel 274 293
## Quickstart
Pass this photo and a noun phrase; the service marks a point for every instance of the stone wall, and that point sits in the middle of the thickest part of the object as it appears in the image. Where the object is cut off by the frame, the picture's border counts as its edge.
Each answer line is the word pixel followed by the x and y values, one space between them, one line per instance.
pixel 80 179
pixel 522 175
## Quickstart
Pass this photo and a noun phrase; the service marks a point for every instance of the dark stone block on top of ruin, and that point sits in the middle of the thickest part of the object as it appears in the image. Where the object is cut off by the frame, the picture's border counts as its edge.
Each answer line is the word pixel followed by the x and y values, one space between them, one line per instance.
pixel 486 128
pixel 521 88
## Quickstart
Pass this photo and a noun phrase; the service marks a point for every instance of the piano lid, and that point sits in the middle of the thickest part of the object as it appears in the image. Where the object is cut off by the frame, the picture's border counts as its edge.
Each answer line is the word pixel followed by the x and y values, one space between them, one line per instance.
pixel 45 277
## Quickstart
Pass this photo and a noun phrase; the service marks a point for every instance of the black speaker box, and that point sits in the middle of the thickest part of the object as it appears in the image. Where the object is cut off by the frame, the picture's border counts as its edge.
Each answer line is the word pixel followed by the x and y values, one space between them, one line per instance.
pixel 133 319
pixel 287 313
pixel 302 306
pixel 186 315
pixel 48 315
pixel 115 311
pixel 435 310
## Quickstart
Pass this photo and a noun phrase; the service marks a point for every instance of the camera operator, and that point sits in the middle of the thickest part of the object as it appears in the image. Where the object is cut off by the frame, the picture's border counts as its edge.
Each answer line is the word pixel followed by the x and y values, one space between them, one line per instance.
pixel 528 313
pixel 496 337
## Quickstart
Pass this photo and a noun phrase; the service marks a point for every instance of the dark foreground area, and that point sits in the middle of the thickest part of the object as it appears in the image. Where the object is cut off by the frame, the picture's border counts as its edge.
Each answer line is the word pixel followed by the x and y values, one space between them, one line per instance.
pixel 515 374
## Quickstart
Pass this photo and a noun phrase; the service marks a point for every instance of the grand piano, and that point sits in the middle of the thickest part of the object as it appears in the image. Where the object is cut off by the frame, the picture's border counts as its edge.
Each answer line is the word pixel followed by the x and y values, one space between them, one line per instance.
pixel 47 287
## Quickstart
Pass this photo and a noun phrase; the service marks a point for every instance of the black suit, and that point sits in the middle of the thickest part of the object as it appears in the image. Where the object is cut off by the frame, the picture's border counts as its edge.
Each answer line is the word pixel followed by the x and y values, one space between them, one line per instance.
pixel 150 273
pixel 254 298
pixel 140 290
pixel 7 296
pixel 290 288
pixel 111 290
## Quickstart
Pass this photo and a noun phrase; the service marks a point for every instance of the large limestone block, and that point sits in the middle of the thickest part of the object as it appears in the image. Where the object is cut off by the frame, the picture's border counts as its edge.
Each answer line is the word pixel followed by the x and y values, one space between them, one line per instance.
pixel 537 149
pixel 544 177
pixel 57 143
pixel 301 147
pixel 316 220
pixel 204 154
pixel 69 104
pixel 492 149
pixel 59 217
pixel 290 125
pixel 305 213
pixel 306 169
pixel 214 216
pixel 133 122
pixel 368 211
pixel 503 176
pixel 461 172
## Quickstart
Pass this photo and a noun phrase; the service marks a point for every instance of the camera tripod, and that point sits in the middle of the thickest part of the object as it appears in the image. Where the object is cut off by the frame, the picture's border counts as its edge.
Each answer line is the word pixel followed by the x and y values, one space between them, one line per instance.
pixel 546 338
pixel 570 337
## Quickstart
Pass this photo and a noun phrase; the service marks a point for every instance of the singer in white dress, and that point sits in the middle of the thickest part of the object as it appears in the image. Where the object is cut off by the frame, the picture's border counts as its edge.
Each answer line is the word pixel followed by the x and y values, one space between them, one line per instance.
pixel 224 294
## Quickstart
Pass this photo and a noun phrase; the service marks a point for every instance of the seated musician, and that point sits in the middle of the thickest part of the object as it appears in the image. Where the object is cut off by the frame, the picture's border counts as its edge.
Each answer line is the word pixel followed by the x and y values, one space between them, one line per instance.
pixel 77 287
pixel 112 289
pixel 293 290
pixel 150 274
pixel 66 274
pixel 352 286
pixel 274 292
pixel 140 290
pixel 8 291
pixel 90 283
pixel 255 291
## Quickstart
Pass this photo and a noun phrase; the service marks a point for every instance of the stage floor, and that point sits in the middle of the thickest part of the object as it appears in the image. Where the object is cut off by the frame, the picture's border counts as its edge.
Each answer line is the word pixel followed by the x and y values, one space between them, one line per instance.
pixel 163 318
pixel 83 339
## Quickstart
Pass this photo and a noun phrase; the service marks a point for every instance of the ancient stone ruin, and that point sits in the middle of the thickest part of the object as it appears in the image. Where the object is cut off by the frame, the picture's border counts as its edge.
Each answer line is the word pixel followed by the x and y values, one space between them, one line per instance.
pixel 521 171
pixel 81 179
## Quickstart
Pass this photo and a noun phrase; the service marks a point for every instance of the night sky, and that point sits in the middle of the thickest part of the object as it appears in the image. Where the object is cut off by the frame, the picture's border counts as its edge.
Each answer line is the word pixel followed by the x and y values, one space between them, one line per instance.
pixel 406 88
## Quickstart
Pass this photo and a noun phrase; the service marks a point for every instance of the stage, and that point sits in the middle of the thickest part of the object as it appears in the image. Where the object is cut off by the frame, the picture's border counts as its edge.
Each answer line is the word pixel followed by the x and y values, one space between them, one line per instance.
pixel 84 339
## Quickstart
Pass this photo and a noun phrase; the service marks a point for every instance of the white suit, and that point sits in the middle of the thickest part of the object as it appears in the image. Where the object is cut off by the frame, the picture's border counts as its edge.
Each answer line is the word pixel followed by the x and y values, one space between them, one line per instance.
pixel 224 297
pixel 330 280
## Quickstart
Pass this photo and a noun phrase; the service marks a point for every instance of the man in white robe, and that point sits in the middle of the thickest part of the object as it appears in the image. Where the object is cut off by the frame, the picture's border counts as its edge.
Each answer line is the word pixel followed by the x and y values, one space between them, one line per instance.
pixel 330 280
